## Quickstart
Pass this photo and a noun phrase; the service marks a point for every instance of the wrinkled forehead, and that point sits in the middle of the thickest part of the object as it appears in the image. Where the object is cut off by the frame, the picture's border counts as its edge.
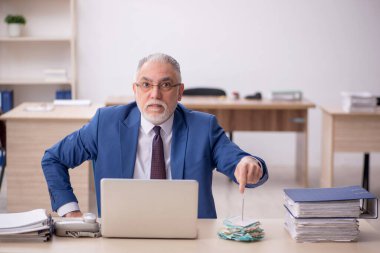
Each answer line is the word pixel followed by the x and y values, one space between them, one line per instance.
pixel 156 71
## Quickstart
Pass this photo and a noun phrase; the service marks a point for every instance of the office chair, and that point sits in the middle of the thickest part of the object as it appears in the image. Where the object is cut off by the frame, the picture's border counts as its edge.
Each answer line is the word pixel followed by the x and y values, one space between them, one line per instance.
pixel 204 92
pixel 215 92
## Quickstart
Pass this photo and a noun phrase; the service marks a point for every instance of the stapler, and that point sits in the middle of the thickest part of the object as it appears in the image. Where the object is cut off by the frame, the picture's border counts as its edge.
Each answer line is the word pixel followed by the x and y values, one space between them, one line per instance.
pixel 256 96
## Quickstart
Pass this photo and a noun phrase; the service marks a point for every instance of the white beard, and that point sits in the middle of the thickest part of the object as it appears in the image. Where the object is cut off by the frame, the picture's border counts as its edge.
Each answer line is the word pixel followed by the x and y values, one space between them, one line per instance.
pixel 156 119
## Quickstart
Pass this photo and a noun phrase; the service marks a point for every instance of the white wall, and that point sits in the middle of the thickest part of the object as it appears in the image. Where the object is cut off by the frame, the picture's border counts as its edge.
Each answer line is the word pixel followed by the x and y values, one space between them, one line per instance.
pixel 321 47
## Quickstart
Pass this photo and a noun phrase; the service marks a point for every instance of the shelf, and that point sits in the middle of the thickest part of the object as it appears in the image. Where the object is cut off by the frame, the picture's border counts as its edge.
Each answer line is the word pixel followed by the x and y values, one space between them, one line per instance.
pixel 35 39
pixel 32 82
pixel 47 42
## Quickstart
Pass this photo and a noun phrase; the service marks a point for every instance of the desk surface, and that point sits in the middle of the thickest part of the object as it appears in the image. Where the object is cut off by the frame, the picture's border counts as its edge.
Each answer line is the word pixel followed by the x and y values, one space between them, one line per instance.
pixel 205 102
pixel 58 112
pixel 276 240
pixel 339 111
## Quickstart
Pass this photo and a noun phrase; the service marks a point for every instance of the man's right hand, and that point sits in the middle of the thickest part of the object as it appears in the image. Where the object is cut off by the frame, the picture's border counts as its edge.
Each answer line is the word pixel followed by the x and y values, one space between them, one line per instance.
pixel 74 214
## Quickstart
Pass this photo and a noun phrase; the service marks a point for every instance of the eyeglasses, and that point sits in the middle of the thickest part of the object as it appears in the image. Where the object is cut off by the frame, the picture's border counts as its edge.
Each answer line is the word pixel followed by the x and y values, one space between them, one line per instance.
pixel 164 86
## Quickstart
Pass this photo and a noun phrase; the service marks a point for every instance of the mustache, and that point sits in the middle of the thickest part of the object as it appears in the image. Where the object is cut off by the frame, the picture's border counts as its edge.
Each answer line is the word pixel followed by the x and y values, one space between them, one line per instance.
pixel 156 102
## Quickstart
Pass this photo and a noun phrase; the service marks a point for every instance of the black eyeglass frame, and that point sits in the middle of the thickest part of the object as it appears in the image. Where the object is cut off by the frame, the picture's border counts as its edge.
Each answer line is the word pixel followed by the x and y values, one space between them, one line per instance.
pixel 160 86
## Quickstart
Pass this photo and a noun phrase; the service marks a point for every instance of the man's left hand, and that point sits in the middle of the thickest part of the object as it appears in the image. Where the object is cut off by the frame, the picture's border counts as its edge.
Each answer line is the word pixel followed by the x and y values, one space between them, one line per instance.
pixel 248 171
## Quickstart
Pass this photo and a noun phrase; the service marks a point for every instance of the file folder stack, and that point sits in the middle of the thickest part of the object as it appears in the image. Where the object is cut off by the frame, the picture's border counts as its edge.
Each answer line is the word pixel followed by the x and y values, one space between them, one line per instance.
pixel 315 230
pixel 358 102
pixel 33 225
pixel 286 95
pixel 326 214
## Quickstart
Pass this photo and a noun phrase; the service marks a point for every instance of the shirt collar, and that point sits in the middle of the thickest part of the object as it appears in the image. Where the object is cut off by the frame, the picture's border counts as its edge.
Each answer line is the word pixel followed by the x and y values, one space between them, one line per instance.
pixel 167 126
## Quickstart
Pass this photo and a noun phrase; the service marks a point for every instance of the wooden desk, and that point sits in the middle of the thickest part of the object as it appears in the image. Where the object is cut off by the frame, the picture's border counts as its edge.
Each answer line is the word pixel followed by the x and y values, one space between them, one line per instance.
pixel 276 240
pixel 253 115
pixel 346 132
pixel 29 134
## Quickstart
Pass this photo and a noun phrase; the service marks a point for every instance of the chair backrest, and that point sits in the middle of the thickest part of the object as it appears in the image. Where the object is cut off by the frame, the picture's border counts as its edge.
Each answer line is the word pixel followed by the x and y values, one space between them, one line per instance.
pixel 204 92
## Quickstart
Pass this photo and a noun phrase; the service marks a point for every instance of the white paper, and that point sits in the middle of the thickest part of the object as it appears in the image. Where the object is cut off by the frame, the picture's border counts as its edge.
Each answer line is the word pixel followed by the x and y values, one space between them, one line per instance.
pixel 73 102
pixel 24 219
pixel 39 108
pixel 238 221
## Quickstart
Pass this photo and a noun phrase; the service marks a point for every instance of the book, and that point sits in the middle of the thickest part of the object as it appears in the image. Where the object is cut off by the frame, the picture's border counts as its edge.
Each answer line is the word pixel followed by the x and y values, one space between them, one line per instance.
pixel 338 202
pixel 6 100
pixel 63 94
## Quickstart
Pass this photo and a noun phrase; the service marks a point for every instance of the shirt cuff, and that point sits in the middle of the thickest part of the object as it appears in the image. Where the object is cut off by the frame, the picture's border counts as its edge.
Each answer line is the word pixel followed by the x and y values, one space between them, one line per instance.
pixel 257 160
pixel 67 208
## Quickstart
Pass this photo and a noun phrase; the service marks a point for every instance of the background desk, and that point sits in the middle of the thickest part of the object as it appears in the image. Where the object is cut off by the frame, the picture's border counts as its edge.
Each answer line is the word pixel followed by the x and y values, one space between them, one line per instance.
pixel 346 132
pixel 253 115
pixel 276 240
pixel 29 134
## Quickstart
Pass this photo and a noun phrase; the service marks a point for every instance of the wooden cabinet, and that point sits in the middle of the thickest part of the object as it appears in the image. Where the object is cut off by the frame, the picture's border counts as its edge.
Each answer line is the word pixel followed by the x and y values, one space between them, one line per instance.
pixel 346 132
pixel 29 134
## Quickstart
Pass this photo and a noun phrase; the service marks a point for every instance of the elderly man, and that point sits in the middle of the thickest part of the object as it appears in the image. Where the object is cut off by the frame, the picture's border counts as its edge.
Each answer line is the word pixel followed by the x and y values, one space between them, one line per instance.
pixel 152 138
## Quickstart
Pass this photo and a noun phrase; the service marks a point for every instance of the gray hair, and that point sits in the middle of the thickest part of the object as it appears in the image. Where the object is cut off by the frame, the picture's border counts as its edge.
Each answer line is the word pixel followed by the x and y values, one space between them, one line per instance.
pixel 164 58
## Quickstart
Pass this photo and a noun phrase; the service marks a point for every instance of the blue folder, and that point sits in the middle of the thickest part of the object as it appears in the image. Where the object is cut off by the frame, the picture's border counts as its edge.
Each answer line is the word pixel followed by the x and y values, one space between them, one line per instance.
pixel 337 194
pixel 6 100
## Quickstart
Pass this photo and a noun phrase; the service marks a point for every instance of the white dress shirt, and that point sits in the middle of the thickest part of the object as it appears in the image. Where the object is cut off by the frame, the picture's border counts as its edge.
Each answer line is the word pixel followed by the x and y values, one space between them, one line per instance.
pixel 144 148
pixel 143 155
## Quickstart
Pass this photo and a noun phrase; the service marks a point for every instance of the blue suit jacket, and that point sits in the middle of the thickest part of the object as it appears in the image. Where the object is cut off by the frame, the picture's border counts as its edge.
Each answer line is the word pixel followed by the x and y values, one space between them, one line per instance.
pixel 199 145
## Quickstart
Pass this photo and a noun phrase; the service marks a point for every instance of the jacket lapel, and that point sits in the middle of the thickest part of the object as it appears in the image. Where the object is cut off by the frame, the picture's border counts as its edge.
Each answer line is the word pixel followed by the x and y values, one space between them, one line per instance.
pixel 179 141
pixel 129 134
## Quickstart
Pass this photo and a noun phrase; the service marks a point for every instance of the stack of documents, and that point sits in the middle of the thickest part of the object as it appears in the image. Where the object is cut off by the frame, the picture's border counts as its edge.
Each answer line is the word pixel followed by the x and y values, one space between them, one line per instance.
pixel 323 209
pixel 326 214
pixel 317 230
pixel 236 229
pixel 358 102
pixel 33 225
pixel 287 95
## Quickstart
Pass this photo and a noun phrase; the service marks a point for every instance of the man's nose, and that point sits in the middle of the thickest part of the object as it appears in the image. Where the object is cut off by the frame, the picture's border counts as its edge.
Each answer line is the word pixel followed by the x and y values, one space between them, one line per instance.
pixel 155 92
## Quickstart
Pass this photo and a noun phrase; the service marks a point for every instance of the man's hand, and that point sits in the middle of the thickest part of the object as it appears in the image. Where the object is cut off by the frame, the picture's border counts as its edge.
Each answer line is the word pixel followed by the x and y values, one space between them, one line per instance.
pixel 74 214
pixel 248 171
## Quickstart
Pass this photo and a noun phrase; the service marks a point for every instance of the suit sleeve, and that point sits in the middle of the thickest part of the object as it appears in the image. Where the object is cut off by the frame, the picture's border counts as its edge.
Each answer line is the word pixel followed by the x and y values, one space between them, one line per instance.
pixel 227 155
pixel 70 152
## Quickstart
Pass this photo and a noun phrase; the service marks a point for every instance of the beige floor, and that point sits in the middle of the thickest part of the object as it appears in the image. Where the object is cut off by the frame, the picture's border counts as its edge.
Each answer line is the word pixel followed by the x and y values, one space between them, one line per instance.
pixel 266 201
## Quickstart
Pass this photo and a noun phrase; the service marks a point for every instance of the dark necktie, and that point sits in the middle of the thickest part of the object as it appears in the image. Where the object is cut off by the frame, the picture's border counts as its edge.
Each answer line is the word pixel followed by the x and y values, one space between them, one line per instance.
pixel 158 161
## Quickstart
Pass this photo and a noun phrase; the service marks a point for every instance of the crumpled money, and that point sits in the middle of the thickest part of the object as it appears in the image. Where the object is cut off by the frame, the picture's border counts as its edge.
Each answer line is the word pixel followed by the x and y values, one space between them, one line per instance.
pixel 236 229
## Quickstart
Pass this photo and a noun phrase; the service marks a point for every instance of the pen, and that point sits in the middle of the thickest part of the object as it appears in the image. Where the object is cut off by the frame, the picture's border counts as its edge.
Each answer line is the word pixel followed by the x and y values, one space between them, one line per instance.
pixel 242 209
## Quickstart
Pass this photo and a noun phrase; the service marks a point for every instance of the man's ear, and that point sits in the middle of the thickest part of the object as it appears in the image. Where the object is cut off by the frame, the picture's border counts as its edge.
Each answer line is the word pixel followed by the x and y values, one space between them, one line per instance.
pixel 180 91
pixel 134 88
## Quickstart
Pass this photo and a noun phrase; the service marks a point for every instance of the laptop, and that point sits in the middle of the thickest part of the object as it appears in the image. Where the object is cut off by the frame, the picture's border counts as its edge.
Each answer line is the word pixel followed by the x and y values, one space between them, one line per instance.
pixel 137 208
